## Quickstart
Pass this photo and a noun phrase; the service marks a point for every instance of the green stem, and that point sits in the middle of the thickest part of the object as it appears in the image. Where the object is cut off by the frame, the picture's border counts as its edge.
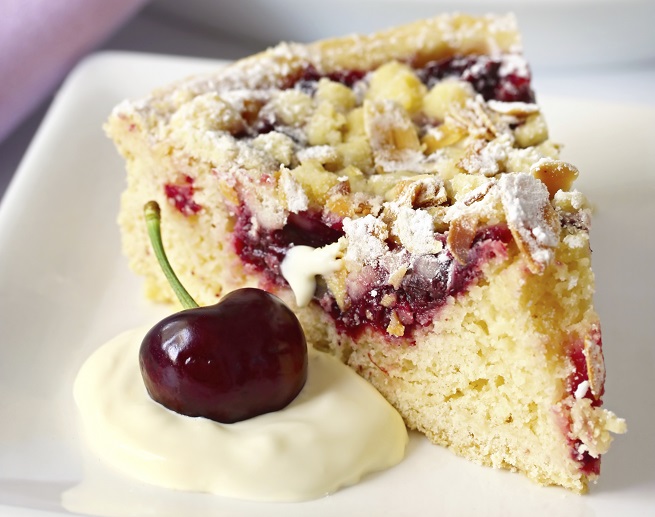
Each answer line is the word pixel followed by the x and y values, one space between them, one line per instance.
pixel 153 223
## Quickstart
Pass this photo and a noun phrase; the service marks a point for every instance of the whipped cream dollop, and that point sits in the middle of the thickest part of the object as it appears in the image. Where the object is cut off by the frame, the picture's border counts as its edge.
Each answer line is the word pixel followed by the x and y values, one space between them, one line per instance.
pixel 338 429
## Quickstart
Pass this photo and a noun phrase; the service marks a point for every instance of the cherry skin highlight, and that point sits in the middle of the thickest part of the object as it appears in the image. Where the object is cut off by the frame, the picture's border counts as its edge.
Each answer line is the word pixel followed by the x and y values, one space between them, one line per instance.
pixel 228 362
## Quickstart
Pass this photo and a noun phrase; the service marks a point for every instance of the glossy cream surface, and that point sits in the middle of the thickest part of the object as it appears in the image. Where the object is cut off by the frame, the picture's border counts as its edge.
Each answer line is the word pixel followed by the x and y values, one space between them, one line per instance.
pixel 302 264
pixel 338 429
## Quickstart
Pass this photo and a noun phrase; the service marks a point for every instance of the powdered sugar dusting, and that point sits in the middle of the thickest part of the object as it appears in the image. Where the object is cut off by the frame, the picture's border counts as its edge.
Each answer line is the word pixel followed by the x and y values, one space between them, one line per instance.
pixel 514 64
pixel 296 198
pixel 513 108
pixel 475 136
pixel 366 239
pixel 575 198
pixel 488 158
pixel 320 153
pixel 524 200
pixel 415 228
pixel 481 202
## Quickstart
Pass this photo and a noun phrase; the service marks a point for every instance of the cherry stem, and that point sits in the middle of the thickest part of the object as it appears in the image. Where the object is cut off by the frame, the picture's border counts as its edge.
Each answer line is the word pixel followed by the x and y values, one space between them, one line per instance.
pixel 153 223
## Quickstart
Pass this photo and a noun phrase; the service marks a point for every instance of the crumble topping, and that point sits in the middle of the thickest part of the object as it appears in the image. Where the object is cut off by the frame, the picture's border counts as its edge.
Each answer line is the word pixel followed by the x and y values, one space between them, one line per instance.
pixel 295 197
pixel 408 161
pixel 531 217
pixel 397 155
pixel 367 240
pixel 591 427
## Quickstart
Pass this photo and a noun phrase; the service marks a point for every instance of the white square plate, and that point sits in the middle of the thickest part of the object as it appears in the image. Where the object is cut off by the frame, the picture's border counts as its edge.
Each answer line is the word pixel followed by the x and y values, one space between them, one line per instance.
pixel 65 289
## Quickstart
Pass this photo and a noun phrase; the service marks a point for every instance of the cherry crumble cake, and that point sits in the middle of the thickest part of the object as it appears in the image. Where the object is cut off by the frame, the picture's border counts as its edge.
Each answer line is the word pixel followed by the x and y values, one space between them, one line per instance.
pixel 403 184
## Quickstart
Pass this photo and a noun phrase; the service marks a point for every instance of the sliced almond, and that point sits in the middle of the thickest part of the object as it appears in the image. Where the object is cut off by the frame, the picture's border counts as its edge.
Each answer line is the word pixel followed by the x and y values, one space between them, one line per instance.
pixel 479 193
pixel 418 192
pixel 516 109
pixel 392 136
pixel 593 353
pixel 460 237
pixel 555 174
pixel 475 119
pixel 445 135
pixel 487 157
pixel 537 255
pixel 531 218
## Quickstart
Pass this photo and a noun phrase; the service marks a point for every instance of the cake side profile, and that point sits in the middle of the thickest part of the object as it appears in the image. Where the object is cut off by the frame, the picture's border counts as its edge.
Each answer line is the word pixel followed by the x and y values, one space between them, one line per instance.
pixel 400 193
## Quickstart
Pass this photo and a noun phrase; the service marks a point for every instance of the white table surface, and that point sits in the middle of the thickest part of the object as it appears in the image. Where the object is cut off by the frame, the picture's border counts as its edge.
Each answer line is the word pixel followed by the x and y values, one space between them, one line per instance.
pixel 152 31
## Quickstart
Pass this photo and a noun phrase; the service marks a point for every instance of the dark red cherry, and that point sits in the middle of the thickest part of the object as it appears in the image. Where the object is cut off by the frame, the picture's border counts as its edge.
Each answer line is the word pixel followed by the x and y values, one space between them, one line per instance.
pixel 240 358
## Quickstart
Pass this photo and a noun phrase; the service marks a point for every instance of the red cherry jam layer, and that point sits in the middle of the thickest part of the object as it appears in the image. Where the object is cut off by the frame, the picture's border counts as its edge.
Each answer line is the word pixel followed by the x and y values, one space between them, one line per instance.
pixel 504 78
pixel 306 81
pixel 426 286
pixel 264 250
pixel 580 372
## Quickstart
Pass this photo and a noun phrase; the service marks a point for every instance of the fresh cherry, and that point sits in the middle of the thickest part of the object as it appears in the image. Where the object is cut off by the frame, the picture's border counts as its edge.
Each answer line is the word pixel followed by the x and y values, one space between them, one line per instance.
pixel 228 362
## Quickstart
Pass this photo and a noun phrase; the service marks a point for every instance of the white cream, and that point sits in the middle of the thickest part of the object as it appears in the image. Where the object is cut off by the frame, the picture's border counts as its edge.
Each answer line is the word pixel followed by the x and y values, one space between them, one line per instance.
pixel 338 429
pixel 301 265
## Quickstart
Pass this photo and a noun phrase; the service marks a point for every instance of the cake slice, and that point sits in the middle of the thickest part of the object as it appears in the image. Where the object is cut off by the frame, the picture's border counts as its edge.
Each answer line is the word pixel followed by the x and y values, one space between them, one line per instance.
pixel 404 185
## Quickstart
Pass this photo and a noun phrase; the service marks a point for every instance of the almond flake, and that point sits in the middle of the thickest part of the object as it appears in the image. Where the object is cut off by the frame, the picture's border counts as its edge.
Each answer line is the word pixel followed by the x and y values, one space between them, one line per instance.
pixel 392 136
pixel 595 363
pixel 531 218
pixel 460 237
pixel 518 109
pixel 555 174
pixel 475 118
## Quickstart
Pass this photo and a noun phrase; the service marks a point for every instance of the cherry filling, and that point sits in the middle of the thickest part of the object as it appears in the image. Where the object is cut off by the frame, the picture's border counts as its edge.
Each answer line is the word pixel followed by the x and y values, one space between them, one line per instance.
pixel 180 194
pixel 588 464
pixel 502 78
pixel 307 79
pixel 580 373
pixel 425 287
pixel 263 250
